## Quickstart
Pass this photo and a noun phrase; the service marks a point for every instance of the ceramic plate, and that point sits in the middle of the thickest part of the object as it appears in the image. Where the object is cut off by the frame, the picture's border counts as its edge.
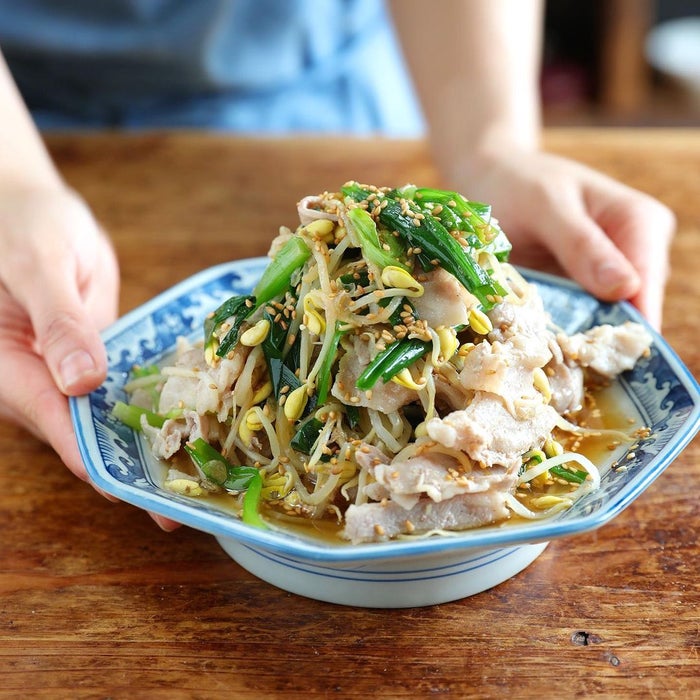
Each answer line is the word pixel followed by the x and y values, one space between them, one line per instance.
pixel 659 393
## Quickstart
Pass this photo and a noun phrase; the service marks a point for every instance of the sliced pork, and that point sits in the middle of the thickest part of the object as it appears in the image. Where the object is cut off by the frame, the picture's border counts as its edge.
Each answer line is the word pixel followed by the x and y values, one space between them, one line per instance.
pixel 445 302
pixel 523 318
pixel 193 384
pixel 373 522
pixel 566 385
pixel 166 441
pixel 490 434
pixel 433 474
pixel 506 370
pixel 608 350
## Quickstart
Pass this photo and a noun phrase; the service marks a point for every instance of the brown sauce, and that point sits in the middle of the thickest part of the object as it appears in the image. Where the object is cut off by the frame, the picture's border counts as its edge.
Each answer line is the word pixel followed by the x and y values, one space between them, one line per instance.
pixel 608 409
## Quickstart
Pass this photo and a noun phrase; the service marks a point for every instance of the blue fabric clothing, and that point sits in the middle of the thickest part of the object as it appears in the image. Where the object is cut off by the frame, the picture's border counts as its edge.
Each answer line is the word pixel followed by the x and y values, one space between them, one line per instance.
pixel 261 66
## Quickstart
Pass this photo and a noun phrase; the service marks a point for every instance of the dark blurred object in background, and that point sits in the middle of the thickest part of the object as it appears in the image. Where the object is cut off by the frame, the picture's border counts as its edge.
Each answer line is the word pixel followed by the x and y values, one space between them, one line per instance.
pixel 595 66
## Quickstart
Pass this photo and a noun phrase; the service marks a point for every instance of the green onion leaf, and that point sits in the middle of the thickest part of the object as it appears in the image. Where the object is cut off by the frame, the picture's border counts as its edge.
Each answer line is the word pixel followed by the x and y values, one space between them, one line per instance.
pixel 575 476
pixel 352 413
pixel 305 437
pixel 281 370
pixel 324 375
pixel 436 243
pixel 235 310
pixel 275 279
pixel 366 231
pixel 217 468
pixel 139 371
pixel 475 218
pixel 251 503
pixel 391 361
pixel 354 191
pixel 131 416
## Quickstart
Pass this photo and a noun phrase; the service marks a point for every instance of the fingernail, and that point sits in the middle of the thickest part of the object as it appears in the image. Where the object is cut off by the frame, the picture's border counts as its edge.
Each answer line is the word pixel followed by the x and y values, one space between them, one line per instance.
pixel 74 367
pixel 610 277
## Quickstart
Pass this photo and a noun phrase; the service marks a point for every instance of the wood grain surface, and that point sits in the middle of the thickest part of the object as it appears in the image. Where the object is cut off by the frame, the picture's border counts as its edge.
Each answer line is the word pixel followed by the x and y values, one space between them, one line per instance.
pixel 97 602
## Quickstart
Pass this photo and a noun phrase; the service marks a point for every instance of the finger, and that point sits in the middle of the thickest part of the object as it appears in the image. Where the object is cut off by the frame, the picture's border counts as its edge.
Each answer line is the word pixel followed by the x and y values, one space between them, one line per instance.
pixel 164 523
pixel 642 228
pixel 44 405
pixel 587 254
pixel 66 336
pixel 102 298
pixel 36 404
pixel 48 272
pixel 104 494
pixel 649 301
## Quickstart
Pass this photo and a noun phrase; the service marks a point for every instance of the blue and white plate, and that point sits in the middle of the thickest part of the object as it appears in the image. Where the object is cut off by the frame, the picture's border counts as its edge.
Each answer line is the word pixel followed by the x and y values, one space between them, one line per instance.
pixel 658 393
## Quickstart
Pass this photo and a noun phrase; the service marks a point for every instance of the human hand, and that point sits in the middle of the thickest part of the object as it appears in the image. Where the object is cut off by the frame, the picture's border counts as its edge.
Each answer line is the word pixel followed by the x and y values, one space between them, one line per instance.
pixel 59 284
pixel 610 238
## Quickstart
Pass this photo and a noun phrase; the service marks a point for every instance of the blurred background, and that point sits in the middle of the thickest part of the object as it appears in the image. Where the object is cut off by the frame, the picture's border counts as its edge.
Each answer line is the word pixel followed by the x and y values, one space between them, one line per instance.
pixel 622 62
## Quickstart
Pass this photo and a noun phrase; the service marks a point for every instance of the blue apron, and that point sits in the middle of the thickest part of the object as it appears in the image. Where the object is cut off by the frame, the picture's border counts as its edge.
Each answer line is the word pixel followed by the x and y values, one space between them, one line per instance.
pixel 255 66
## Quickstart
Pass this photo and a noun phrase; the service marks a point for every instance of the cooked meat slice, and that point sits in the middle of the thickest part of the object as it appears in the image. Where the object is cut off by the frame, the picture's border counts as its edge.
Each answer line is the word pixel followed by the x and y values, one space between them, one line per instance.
pixel 181 389
pixel 445 301
pixel 372 522
pixel 278 242
pixel 197 386
pixel 527 318
pixel 386 397
pixel 437 476
pixel 166 441
pixel 608 350
pixel 565 381
pixel 368 456
pixel 566 384
pixel 450 393
pixel 310 209
pixel 504 369
pixel 490 434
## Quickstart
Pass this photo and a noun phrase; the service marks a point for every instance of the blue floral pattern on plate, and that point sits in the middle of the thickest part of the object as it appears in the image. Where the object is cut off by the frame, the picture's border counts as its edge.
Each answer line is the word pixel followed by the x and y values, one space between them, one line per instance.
pixel 660 390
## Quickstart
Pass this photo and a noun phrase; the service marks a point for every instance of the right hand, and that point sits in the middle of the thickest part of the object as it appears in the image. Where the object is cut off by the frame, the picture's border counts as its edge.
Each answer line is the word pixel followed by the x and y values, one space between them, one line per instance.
pixel 59 285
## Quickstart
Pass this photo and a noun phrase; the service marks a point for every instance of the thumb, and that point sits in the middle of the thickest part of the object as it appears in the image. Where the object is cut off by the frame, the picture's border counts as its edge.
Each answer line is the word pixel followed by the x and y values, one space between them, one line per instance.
pixel 65 334
pixel 71 346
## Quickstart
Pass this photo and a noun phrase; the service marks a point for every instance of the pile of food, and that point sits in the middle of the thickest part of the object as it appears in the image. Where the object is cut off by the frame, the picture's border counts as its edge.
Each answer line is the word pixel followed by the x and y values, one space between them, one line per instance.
pixel 390 373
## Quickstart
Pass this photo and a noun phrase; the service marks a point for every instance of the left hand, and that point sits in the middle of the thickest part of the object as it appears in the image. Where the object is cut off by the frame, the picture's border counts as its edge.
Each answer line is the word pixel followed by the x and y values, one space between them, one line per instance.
pixel 610 238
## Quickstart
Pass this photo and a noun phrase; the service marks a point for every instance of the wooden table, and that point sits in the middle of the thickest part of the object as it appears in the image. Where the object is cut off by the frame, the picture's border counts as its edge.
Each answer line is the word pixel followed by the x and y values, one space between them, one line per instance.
pixel 96 601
